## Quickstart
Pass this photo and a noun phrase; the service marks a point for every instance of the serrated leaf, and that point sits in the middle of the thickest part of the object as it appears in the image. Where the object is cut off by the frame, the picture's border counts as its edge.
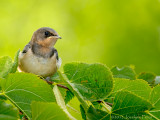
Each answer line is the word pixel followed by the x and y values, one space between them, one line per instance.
pixel 139 87
pixel 155 100
pixel 129 104
pixel 60 102
pixel 148 76
pixel 47 111
pixel 124 72
pixel 8 112
pixel 69 96
pixel 22 88
pixel 15 63
pixel 93 81
pixel 5 66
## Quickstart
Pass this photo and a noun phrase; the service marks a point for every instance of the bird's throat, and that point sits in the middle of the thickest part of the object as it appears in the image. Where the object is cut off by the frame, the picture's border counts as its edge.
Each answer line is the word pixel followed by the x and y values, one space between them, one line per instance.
pixel 42 51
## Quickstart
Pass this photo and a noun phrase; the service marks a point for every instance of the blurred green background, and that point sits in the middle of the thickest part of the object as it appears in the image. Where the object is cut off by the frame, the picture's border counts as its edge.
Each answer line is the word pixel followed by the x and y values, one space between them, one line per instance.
pixel 113 32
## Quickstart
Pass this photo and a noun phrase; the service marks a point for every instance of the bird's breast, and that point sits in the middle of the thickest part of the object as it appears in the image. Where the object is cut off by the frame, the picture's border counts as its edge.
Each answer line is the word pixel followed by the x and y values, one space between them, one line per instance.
pixel 31 63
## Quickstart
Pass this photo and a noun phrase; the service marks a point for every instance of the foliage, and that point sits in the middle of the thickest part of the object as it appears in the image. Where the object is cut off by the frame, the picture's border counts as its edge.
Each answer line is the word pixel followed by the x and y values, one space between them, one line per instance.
pixel 124 72
pixel 88 90
pixel 7 111
pixel 114 32
pixel 149 77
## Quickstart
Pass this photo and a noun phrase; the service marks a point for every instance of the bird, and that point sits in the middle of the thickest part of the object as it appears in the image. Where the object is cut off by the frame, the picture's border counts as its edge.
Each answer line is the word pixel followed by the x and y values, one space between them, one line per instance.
pixel 39 56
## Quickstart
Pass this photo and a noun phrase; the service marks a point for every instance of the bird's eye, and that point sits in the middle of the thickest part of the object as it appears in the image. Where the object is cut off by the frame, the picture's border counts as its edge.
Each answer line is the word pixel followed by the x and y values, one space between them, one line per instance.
pixel 47 34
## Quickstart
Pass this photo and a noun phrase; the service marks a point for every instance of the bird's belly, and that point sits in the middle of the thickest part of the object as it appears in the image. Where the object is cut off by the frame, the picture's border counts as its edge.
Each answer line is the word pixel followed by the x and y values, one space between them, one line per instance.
pixel 38 65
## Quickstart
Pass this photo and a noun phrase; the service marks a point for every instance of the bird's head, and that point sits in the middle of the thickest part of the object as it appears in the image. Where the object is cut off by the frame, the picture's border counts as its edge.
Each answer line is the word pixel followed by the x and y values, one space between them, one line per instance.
pixel 45 36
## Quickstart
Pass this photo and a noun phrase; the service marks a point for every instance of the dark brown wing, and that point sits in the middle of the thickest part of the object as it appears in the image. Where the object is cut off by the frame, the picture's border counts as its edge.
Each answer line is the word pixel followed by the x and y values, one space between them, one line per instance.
pixel 26 48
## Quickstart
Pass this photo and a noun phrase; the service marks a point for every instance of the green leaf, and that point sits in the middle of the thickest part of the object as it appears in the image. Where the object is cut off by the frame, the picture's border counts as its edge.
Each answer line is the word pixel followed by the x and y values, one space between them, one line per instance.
pixel 93 81
pixel 155 100
pixel 60 102
pixel 139 87
pixel 55 78
pixel 2 97
pixel 145 116
pixel 22 88
pixel 5 66
pixel 0 84
pixel 73 108
pixel 129 104
pixel 83 112
pixel 124 72
pixel 47 111
pixel 69 96
pixel 149 77
pixel 8 112
pixel 119 117
pixel 15 63
pixel 97 105
pixel 96 114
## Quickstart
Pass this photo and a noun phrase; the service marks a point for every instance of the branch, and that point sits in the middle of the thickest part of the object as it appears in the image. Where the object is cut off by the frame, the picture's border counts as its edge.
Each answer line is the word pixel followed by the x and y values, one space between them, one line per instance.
pixel 24 117
pixel 111 104
pixel 59 85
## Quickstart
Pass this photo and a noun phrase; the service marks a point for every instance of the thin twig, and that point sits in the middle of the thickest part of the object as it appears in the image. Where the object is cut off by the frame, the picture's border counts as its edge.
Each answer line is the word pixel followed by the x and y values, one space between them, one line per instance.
pixel 111 104
pixel 59 85
pixel 24 117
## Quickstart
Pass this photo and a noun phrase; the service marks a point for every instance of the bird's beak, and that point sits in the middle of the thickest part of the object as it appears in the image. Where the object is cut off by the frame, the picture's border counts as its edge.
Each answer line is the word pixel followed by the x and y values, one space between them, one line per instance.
pixel 58 37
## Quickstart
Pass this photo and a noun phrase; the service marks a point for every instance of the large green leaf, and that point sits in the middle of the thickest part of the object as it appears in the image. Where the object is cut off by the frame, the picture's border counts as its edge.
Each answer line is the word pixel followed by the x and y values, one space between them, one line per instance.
pixel 47 111
pixel 5 66
pixel 22 88
pixel 129 104
pixel 155 100
pixel 126 105
pixel 15 63
pixel 8 112
pixel 93 81
pixel 73 107
pixel 148 76
pixel 139 87
pixel 124 72
pixel 60 102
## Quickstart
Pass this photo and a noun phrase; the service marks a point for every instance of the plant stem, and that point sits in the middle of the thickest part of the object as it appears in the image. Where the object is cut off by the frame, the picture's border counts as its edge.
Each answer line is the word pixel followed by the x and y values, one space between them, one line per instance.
pixel 106 106
pixel 59 85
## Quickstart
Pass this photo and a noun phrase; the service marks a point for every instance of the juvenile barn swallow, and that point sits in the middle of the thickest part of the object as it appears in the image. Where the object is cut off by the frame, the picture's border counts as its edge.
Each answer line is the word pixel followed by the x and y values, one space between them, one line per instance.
pixel 39 56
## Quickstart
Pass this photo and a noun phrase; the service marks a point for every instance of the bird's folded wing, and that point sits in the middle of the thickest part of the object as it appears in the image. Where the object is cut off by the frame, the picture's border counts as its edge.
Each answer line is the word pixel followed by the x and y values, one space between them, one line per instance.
pixel 26 48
